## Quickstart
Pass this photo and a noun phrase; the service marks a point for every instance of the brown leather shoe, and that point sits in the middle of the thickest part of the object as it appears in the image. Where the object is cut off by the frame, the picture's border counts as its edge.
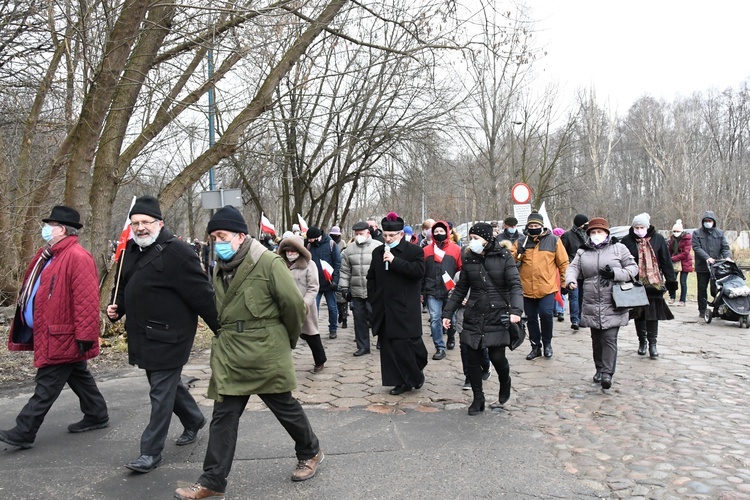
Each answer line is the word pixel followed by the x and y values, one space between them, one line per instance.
pixel 318 368
pixel 196 491
pixel 307 468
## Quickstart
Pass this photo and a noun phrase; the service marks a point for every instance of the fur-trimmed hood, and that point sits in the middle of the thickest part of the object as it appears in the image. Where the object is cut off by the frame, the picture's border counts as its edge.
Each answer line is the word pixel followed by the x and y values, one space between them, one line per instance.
pixel 297 244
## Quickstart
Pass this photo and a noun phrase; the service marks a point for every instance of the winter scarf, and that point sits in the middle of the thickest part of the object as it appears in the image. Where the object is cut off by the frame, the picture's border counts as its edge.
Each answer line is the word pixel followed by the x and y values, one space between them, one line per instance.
pixel 227 268
pixel 648 264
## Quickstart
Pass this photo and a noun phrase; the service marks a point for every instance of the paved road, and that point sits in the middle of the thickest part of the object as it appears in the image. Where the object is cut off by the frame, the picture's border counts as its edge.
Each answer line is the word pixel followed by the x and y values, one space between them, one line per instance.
pixel 674 427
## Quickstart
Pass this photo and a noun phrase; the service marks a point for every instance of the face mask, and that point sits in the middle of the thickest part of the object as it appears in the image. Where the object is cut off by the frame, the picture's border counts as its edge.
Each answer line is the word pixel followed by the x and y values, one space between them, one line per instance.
pixel 315 243
pixel 361 239
pixel 336 237
pixel 292 256
pixel 536 231
pixel 47 232
pixel 640 232
pixel 224 249
pixel 677 234
pixel 394 244
pixel 598 239
pixel 511 230
pixel 708 225
pixel 439 237
pixel 476 246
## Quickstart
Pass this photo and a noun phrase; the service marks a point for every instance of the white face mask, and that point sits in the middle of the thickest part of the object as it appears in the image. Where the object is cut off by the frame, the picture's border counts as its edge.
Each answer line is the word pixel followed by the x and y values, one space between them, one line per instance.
pixel 708 224
pixel 476 246
pixel 361 239
pixel 640 232
pixel 292 256
pixel 598 239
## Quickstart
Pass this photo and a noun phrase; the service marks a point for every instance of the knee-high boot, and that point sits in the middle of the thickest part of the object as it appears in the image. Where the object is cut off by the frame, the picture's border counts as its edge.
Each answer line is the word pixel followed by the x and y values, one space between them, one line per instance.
pixel 640 329
pixel 475 377
pixel 653 333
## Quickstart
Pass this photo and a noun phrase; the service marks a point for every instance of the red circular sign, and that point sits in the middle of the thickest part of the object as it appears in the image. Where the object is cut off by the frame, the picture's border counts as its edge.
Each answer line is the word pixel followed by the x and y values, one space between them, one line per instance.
pixel 521 193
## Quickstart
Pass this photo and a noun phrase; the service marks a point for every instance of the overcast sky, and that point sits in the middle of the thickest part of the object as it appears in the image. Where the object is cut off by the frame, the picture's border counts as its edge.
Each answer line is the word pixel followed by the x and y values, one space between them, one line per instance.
pixel 663 48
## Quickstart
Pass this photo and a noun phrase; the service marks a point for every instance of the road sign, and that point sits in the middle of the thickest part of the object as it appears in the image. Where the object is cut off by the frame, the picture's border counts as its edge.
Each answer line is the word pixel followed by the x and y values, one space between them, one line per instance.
pixel 521 212
pixel 221 198
pixel 521 193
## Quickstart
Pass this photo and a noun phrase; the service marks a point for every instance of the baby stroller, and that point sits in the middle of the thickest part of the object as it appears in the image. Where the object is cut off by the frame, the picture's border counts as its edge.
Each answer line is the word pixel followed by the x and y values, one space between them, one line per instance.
pixel 731 294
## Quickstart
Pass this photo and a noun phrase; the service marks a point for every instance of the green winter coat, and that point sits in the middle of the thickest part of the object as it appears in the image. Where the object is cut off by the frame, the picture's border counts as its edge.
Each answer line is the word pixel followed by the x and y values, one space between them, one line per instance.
pixel 264 299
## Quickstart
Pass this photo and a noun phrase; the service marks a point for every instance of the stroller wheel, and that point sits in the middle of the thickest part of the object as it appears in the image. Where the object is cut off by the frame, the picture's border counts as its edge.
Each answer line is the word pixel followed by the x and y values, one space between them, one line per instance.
pixel 707 316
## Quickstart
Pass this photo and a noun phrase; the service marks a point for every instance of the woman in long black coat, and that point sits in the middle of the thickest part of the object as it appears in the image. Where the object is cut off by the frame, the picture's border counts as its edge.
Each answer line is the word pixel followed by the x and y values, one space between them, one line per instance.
pixel 490 272
pixel 656 272
pixel 393 290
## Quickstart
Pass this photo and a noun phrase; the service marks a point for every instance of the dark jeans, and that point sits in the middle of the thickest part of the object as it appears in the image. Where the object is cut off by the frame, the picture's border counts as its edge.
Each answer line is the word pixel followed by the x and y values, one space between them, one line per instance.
pixel 333 309
pixel 575 306
pixel 50 381
pixel 604 347
pixel 361 323
pixel 703 280
pixel 540 311
pixel 168 394
pixel 222 438
pixel 683 288
pixel 316 347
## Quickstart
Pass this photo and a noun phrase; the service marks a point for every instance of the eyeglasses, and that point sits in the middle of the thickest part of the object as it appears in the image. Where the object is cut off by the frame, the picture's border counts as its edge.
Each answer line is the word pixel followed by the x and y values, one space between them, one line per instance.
pixel 136 225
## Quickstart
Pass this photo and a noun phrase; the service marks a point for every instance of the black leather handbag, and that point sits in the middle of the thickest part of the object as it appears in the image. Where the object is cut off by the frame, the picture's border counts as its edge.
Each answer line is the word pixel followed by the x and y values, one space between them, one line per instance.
pixel 629 294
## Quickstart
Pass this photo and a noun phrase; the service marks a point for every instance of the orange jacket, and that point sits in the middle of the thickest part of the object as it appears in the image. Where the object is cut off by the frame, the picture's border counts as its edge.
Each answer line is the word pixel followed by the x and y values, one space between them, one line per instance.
pixel 542 260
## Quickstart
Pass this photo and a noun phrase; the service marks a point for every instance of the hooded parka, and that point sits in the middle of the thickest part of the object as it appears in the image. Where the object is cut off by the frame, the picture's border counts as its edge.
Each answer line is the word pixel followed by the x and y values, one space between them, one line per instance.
pixel 598 309
pixel 709 243
pixel 305 274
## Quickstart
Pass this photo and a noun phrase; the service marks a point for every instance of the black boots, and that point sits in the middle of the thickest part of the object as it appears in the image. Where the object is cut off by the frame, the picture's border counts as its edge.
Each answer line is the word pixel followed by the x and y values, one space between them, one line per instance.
pixel 477 406
pixel 597 377
pixel 642 346
pixel 652 352
pixel 536 351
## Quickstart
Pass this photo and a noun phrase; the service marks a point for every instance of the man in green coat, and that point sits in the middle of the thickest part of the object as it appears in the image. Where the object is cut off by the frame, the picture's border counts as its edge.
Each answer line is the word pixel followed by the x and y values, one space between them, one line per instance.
pixel 261 312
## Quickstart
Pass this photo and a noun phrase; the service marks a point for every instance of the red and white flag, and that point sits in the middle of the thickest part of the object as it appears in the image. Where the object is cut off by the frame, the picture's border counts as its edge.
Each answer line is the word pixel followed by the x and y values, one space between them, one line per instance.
pixel 266 226
pixel 439 253
pixel 327 270
pixel 449 283
pixel 126 234
pixel 302 224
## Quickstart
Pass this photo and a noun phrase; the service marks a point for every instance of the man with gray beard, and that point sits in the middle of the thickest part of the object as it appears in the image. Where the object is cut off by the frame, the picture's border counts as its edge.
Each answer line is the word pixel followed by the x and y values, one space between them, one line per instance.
pixel 163 290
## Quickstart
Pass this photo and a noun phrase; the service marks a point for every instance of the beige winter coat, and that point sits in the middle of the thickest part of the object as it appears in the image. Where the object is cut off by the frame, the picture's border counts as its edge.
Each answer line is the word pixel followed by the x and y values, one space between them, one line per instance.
pixel 305 274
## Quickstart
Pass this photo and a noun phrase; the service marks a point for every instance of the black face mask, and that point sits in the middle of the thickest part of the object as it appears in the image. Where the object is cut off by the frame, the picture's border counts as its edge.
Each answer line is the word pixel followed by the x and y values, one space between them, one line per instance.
pixel 535 232
pixel 336 237
pixel 315 243
pixel 440 237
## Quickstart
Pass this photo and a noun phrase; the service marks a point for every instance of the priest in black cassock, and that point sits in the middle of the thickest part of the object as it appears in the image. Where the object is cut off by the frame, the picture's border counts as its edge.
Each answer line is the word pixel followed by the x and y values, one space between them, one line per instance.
pixel 393 291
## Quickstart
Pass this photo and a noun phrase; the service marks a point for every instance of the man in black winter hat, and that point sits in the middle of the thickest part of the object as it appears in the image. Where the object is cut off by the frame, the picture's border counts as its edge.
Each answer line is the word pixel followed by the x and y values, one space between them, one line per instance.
pixel 163 290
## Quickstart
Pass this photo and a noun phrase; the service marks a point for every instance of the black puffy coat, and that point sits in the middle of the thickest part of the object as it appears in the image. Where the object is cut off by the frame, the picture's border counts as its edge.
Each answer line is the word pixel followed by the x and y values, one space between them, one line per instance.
pixel 162 291
pixel 494 283
pixel 326 249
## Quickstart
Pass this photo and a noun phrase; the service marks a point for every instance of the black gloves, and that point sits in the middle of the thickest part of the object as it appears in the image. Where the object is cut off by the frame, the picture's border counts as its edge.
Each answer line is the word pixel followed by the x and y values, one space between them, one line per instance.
pixel 607 272
pixel 84 345
pixel 563 291
pixel 671 286
pixel 346 294
pixel 333 287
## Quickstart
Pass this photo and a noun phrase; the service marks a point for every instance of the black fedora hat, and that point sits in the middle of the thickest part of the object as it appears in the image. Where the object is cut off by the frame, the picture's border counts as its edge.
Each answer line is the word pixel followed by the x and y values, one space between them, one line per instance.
pixel 65 215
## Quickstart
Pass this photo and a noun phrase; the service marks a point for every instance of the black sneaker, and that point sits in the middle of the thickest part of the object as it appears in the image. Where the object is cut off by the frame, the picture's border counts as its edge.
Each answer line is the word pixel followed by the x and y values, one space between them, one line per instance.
pixel 14 440
pixel 439 354
pixel 574 326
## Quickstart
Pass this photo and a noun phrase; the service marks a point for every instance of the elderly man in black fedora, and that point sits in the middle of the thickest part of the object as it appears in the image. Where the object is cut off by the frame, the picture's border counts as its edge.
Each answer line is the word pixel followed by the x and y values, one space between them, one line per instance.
pixel 394 283
pixel 57 317
pixel 162 291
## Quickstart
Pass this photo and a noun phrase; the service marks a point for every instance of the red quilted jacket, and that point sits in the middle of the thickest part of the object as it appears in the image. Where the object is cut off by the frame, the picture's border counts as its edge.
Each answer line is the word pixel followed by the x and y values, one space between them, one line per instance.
pixel 66 308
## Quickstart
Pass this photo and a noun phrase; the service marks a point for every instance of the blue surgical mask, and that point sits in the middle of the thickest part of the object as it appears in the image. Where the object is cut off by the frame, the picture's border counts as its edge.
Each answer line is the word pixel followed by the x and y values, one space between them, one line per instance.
pixel 394 244
pixel 708 225
pixel 47 232
pixel 224 249
pixel 511 230
pixel 476 246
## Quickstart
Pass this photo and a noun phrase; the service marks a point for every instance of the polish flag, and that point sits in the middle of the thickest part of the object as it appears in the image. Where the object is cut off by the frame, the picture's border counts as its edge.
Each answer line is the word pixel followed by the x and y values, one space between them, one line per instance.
pixel 449 283
pixel 302 224
pixel 558 294
pixel 266 226
pixel 327 269
pixel 439 253
pixel 126 234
